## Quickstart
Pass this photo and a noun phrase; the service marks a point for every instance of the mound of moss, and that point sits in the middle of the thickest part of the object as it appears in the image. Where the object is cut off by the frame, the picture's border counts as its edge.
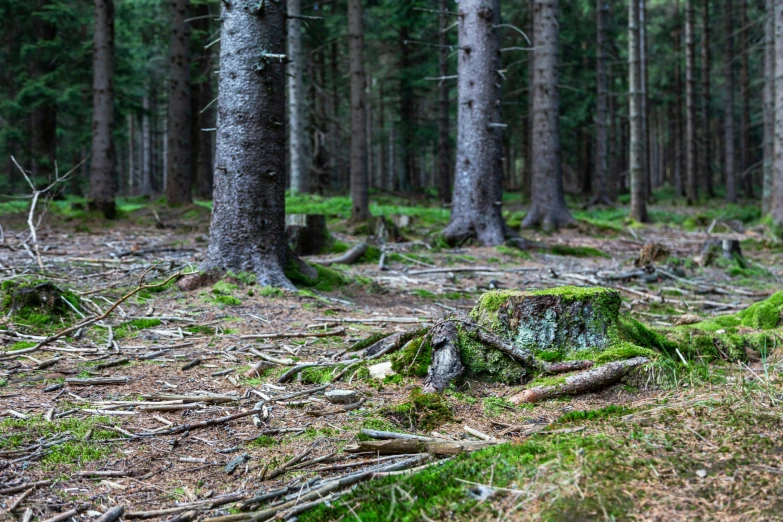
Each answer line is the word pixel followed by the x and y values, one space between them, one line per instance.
pixel 37 304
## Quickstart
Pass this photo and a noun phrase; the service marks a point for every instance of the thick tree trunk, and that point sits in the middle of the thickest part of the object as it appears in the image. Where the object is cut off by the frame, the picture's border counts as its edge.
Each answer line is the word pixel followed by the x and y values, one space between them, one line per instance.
pixel 548 207
pixel 776 203
pixel 728 125
pixel 602 94
pixel 178 174
pixel 706 154
pixel 102 175
pixel 444 152
pixel 248 213
pixel 476 209
pixel 296 126
pixel 636 167
pixel 692 185
pixel 360 209
pixel 746 176
pixel 768 105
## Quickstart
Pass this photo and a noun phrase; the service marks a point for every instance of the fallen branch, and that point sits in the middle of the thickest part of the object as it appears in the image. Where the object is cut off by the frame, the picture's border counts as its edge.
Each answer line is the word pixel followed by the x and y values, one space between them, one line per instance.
pixel 401 446
pixel 200 425
pixel 348 258
pixel 294 335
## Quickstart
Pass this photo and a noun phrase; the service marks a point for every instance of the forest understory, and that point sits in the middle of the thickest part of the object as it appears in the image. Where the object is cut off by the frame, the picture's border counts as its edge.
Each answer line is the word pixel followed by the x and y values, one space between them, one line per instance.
pixel 196 404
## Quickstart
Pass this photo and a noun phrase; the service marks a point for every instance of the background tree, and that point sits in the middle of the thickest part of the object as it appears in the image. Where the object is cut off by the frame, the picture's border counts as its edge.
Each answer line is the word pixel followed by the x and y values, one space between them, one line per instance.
pixel 296 134
pixel 444 148
pixel 360 209
pixel 178 180
pixel 638 178
pixel 776 204
pixel 692 184
pixel 602 106
pixel 728 122
pixel 706 148
pixel 768 140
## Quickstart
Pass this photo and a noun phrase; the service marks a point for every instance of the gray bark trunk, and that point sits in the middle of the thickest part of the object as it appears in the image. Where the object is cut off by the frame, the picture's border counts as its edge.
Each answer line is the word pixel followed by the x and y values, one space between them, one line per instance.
pixel 548 208
pixel 644 101
pixel 706 154
pixel 728 125
pixel 103 185
pixel 635 156
pixel 476 211
pixel 178 176
pixel 692 185
pixel 601 134
pixel 296 100
pixel 360 209
pixel 776 204
pixel 746 176
pixel 769 105
pixel 146 156
pixel 444 152
pixel 202 101
pixel 248 213
pixel 43 128
pixel 131 156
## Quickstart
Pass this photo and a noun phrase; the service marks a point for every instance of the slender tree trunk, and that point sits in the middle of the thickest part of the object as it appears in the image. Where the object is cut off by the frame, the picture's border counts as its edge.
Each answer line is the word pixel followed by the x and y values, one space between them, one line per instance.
pixel 768 105
pixel 636 167
pixel 103 184
pixel 203 102
pixel 706 154
pixel 44 115
pixel 614 143
pixel 548 207
pixel 679 179
pixel 602 94
pixel 248 212
pixel 146 153
pixel 409 178
pixel 645 110
pixel 731 174
pixel 178 172
pixel 444 152
pixel 476 202
pixel 360 209
pixel 690 105
pixel 745 152
pixel 382 177
pixel 131 153
pixel 296 99
pixel 776 202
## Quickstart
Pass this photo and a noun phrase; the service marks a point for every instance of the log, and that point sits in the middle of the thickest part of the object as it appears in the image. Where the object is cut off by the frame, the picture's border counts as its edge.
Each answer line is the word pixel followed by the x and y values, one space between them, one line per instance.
pixel 96 381
pixel 306 234
pixel 583 382
pixel 408 446
pixel 348 258
pixel 110 515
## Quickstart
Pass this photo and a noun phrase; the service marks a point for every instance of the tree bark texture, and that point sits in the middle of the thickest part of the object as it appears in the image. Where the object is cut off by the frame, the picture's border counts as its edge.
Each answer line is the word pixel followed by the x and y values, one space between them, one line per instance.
pixel 548 207
pixel 444 151
pixel 476 211
pixel 248 212
pixel 706 149
pixel 360 209
pixel 103 184
pixel 296 126
pixel 44 115
pixel 746 176
pixel 776 204
pixel 645 108
pixel 146 145
pixel 636 157
pixel 769 106
pixel 178 175
pixel 728 124
pixel 202 102
pixel 692 182
pixel 679 181
pixel 601 112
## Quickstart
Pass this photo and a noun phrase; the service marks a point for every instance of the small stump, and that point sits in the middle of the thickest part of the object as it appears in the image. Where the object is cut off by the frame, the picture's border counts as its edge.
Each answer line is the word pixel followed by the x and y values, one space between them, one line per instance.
pixel 306 234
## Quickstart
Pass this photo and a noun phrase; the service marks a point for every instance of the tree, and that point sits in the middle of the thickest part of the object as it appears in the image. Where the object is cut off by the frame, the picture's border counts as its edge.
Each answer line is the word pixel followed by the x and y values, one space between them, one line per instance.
pixel 102 177
pixel 178 176
pixel 248 208
pixel 476 200
pixel 776 204
pixel 360 209
pixel 692 185
pixel 548 207
pixel 636 164
pixel 769 106
pixel 444 151
pixel 202 99
pixel 296 126
pixel 745 152
pixel 705 150
pixel 728 124
pixel 601 109
pixel 44 114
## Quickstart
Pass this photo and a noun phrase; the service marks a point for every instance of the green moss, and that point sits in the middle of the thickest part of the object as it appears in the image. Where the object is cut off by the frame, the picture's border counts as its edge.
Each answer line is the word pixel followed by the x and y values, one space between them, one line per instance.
pixel 369 341
pixel 580 251
pixel 143 323
pixel 513 252
pixel 227 300
pixel 264 441
pixel 488 363
pixel 270 291
pixel 547 380
pixel 325 281
pixel 612 410
pixel 247 278
pixel 633 331
pixel 494 406
pixel 623 350
pixel 765 314
pixel 376 423
pixel 371 255
pixel 21 345
pixel 316 375
pixel 412 361
pixel 422 411
pixel 425 294
pixel 224 288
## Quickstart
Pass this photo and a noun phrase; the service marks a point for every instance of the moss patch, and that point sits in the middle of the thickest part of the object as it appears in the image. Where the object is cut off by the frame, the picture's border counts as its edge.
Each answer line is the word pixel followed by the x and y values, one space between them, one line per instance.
pixel 422 411
pixel 326 280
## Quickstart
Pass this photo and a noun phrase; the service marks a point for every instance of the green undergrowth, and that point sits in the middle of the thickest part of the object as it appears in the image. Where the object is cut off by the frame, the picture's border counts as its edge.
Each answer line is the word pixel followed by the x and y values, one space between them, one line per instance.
pixel 326 280
pixel 413 359
pixel 421 411
pixel 578 251
pixel 38 311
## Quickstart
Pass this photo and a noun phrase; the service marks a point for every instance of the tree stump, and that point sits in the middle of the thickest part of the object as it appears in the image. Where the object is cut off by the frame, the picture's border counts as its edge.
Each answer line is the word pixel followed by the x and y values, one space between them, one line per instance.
pixel 45 296
pixel 306 234
pixel 726 248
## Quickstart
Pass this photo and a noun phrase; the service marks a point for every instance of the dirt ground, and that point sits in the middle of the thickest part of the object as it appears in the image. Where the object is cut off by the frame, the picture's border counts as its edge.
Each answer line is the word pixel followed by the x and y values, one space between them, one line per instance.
pixel 100 446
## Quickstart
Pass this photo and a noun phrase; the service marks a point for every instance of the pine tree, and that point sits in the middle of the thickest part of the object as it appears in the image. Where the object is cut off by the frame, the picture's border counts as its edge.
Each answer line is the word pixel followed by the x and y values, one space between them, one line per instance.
pixel 360 209
pixel 178 181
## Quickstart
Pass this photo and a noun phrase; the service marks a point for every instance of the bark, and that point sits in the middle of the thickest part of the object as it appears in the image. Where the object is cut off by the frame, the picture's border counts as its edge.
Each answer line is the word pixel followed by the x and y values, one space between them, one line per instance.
pixel 178 175
pixel 645 106
pixel 706 154
pixel 360 209
pixel 131 155
pixel 476 211
pixel 776 203
pixel 409 177
pixel 306 234
pixel 679 181
pixel 296 126
pixel 728 125
pixel 146 145
pixel 692 182
pixel 636 157
pixel 444 152
pixel 44 115
pixel 248 214
pixel 769 105
pixel 202 106
pixel 601 134
pixel 446 364
pixel 102 176
pixel 548 207
pixel 746 178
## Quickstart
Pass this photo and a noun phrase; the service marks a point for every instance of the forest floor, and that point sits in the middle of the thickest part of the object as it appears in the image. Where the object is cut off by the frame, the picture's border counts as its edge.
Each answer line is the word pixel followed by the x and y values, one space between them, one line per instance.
pixel 686 441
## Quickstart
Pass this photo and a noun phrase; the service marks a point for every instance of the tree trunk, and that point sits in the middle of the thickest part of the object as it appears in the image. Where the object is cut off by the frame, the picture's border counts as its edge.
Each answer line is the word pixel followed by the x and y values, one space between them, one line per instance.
pixel 679 181
pixel 360 209
pixel 728 126
pixel 692 185
pixel 102 175
pixel 409 178
pixel 476 210
pixel 178 174
pixel 248 213
pixel 636 167
pixel 548 207
pixel 706 154
pixel 768 106
pixel 44 115
pixel 131 156
pixel 444 152
pixel 296 126
pixel 776 203
pixel 745 152
pixel 146 155
pixel 203 102
pixel 602 81
pixel 645 110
